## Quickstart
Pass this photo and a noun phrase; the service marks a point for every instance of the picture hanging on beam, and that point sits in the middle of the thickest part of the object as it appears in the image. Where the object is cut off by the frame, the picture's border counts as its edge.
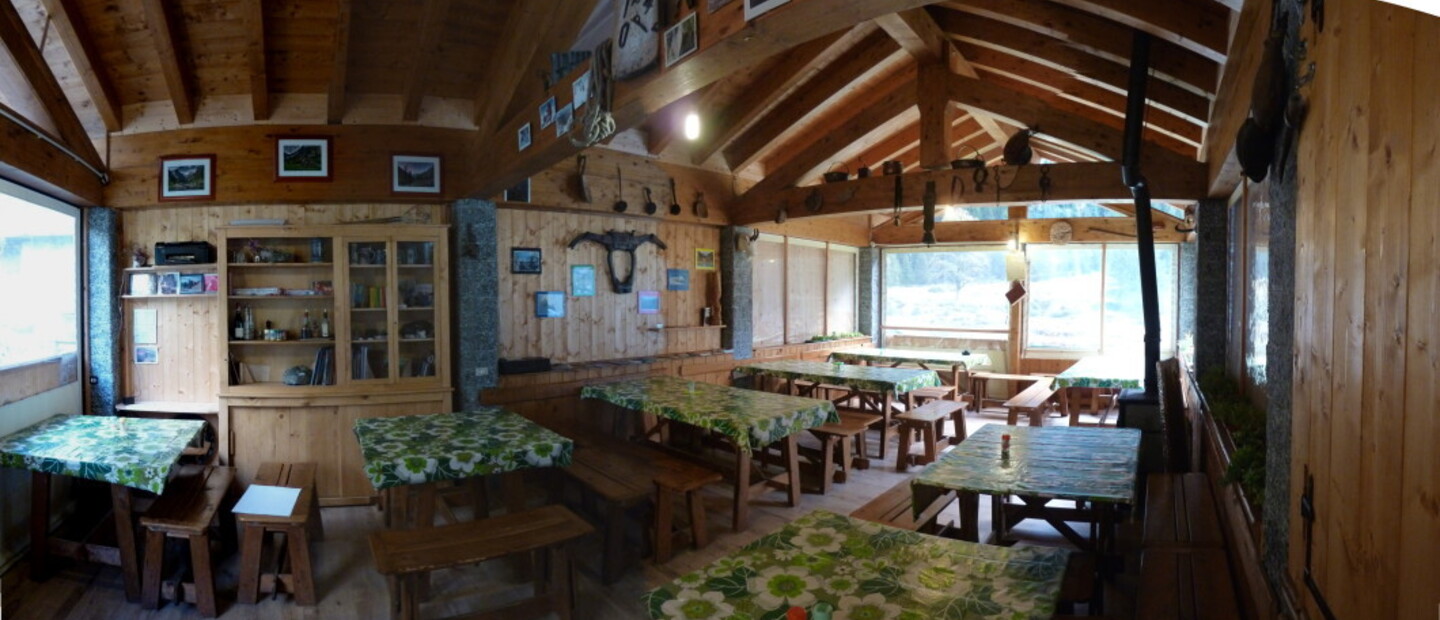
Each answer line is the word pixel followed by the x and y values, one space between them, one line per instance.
pixel 756 8
pixel 415 174
pixel 187 177
pixel 649 302
pixel 522 137
pixel 547 113
pixel 564 120
pixel 677 279
pixel 302 158
pixel 519 193
pixel 580 90
pixel 682 39
pixel 704 259
pixel 582 280
pixel 550 304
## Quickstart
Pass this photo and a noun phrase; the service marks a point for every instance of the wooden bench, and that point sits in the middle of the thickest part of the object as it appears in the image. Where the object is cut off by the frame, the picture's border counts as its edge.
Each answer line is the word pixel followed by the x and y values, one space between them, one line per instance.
pixel 893 508
pixel 1184 567
pixel 843 444
pixel 928 421
pixel 979 382
pixel 1180 512
pixel 300 527
pixel 1033 401
pixel 185 511
pixel 405 555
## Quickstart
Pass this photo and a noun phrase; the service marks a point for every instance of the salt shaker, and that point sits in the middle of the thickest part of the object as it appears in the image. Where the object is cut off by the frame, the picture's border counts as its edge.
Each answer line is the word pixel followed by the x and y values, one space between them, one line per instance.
pixel 1005 446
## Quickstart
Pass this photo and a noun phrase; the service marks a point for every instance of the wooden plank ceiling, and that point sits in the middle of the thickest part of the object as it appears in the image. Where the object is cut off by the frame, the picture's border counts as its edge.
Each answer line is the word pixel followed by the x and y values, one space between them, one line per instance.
pixel 854 97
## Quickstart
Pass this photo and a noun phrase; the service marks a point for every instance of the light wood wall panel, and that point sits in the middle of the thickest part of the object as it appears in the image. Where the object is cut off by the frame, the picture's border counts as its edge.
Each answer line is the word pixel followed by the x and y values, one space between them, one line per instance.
pixel 608 325
pixel 1364 397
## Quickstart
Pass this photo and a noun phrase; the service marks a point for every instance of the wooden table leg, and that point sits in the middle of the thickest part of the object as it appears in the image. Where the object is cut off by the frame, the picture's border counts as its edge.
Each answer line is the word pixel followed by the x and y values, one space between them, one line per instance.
pixel 1071 411
pixel 741 518
pixel 828 444
pixel 886 401
pixel 125 540
pixel 792 467
pixel 969 516
pixel 39 525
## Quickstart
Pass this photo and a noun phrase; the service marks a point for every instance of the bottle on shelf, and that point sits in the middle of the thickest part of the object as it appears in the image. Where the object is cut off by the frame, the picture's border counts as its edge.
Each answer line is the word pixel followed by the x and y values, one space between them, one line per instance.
pixel 249 324
pixel 237 324
pixel 305 333
pixel 324 323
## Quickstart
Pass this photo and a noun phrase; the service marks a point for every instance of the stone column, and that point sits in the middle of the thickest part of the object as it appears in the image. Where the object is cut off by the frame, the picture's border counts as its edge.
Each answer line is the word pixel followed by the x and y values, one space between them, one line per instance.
pixel 102 307
pixel 1212 290
pixel 476 308
pixel 867 317
pixel 736 280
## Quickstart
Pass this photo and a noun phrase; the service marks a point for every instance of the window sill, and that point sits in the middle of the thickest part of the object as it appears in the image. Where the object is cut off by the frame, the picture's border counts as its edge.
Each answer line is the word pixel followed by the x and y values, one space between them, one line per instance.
pixel 24 380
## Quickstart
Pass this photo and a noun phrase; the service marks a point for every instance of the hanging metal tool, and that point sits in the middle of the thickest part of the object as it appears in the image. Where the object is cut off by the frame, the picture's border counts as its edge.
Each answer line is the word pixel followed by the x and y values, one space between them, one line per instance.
pixel 899 196
pixel 620 204
pixel 929 205
pixel 580 178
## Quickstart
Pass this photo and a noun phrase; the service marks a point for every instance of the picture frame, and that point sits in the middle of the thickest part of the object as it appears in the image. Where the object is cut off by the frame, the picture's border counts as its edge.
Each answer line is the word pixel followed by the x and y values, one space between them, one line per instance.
pixel 682 39
pixel 714 5
pixel 580 90
pixel 704 259
pixel 519 193
pixel 169 284
pixel 192 283
pixel 649 302
pixel 522 137
pixel 756 8
pixel 582 280
pixel 303 158
pixel 564 120
pixel 547 113
pixel 525 260
pixel 142 284
pixel 147 355
pixel 677 279
pixel 415 174
pixel 187 177
pixel 550 304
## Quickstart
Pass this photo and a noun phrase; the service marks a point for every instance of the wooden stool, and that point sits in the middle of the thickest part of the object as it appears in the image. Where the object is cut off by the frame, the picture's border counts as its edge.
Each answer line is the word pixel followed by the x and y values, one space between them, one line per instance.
pixel 929 422
pixel 927 394
pixel 843 443
pixel 670 485
pixel 300 527
pixel 404 555
pixel 185 511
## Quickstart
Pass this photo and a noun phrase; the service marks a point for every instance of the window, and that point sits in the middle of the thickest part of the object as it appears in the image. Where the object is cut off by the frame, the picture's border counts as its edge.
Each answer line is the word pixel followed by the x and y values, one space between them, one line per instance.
pixel 1257 285
pixel 39 273
pixel 1069 209
pixel 939 289
pixel 1087 298
pixel 801 289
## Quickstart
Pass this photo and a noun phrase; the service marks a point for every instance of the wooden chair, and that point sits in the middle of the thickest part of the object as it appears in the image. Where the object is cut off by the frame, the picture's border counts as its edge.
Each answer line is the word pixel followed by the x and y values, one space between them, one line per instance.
pixel 843 444
pixel 300 528
pixel 928 421
pixel 186 511
pixel 893 508
pixel 403 556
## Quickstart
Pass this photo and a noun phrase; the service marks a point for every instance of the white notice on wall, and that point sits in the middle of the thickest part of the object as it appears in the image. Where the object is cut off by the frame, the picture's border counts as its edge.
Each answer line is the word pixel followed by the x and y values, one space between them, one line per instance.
pixel 262 499
pixel 145 326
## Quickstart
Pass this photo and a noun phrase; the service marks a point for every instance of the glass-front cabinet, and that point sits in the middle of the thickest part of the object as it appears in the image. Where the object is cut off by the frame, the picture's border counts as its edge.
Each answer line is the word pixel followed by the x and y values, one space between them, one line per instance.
pixel 326 309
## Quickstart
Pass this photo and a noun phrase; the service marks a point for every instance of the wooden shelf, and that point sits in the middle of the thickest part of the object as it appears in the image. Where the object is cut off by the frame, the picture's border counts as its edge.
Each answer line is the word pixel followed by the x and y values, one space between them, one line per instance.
pixel 197 267
pixel 410 340
pixel 278 265
pixel 380 266
pixel 162 406
pixel 418 308
pixel 367 309
pixel 379 341
pixel 416 266
pixel 272 343
pixel 177 295
pixel 255 297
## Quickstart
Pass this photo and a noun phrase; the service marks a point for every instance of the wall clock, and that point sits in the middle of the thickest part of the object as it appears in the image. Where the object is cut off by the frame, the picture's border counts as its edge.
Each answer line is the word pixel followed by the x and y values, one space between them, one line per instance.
pixel 1061 232
pixel 637 38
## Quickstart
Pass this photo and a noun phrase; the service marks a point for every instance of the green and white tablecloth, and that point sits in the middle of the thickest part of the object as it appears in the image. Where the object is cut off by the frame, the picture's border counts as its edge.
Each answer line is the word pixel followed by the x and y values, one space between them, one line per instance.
pixel 1103 372
pixel 867 570
pixel 134 452
pixel 751 418
pixel 449 446
pixel 1096 464
pixel 929 357
pixel 869 378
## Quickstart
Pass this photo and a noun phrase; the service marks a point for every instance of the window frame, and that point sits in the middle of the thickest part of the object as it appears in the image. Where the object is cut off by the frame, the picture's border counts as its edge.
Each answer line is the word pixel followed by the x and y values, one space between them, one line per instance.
pixel 886 329
pixel 28 367
pixel 1030 352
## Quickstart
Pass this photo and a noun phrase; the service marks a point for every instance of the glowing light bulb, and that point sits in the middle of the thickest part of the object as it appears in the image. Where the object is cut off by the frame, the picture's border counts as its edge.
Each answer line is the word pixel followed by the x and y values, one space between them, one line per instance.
pixel 692 126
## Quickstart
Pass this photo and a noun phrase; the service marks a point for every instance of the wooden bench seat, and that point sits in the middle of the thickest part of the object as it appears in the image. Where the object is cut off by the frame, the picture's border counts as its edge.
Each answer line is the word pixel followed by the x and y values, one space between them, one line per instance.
pixel 1033 401
pixel 185 511
pixel 980 381
pixel 404 555
pixel 842 444
pixel 1180 511
pixel 301 527
pixel 893 508
pixel 1184 567
pixel 928 421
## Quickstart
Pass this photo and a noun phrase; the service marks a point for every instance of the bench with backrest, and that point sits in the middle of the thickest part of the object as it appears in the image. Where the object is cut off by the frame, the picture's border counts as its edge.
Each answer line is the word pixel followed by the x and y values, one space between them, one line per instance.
pixel 1184 568
pixel 1034 401
pixel 893 508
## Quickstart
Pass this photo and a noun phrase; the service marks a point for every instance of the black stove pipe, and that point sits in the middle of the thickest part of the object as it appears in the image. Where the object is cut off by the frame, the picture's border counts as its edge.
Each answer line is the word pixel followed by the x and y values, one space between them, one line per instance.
pixel 1144 233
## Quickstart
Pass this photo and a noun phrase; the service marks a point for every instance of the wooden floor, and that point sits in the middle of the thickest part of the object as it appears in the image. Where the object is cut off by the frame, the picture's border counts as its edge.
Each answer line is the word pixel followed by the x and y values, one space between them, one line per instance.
pixel 348 586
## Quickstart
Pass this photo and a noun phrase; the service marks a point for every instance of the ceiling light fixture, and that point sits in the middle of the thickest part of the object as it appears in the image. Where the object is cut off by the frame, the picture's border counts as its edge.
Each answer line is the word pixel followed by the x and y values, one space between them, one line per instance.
pixel 692 126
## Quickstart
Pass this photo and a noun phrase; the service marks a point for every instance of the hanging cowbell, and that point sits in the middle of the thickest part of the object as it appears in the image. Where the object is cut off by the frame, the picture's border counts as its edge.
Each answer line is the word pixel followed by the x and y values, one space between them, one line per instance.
pixel 929 204
pixel 1017 148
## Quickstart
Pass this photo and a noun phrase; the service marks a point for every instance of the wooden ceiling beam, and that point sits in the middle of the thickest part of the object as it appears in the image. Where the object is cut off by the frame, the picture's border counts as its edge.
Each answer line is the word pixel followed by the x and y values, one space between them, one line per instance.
pixel 937 116
pixel 1232 104
pixel 165 34
pixel 427 40
pixel 1094 35
pixel 525 26
pixel 78 43
pixel 32 65
pixel 499 165
pixel 918 34
pixel 812 95
pixel 1129 210
pixel 1084 230
pixel 1201 27
pixel 559 36
pixel 662 126
pixel 907 139
pixel 34 162
pixel 1021 185
pixel 340 65
pixel 796 66
pixel 254 19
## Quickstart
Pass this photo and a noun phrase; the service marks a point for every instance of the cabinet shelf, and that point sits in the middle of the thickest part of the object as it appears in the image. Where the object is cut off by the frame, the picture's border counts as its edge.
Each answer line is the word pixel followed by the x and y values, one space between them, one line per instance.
pixel 255 297
pixel 197 267
pixel 367 309
pixel 277 265
pixel 274 343
pixel 175 296
pixel 418 309
pixel 413 340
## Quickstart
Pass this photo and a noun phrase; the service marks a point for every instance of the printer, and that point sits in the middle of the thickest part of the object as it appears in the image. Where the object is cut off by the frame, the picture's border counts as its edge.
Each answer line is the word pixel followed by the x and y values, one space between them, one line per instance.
pixel 184 253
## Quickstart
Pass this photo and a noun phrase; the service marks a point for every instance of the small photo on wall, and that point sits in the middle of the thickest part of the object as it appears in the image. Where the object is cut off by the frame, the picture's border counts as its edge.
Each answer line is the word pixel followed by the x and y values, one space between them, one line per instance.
pixel 704 258
pixel 192 283
pixel 582 280
pixel 170 283
pixel 147 355
pixel 682 39
pixel 519 193
pixel 547 113
pixel 580 90
pixel 677 279
pixel 550 304
pixel 303 158
pixel 564 120
pixel 188 177
pixel 756 8
pixel 649 302
pixel 522 137
pixel 415 174
pixel 524 260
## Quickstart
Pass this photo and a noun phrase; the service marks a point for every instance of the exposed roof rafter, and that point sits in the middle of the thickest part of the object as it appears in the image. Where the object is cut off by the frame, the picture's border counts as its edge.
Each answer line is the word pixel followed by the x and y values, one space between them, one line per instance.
pixel 339 69
pixel 427 39
pixel 76 38
pixel 165 34
pixel 255 56
pixel 32 65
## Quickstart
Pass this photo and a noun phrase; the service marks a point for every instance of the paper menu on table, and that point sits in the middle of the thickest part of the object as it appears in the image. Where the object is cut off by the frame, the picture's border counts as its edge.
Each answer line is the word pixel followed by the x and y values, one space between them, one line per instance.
pixel 266 500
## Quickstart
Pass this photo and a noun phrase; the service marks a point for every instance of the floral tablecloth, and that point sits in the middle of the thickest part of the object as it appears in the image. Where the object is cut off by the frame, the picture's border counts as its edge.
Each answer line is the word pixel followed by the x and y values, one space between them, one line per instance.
pixel 929 357
pixel 1096 464
pixel 1103 372
pixel 134 452
pixel 867 570
pixel 752 419
pixel 870 378
pixel 449 446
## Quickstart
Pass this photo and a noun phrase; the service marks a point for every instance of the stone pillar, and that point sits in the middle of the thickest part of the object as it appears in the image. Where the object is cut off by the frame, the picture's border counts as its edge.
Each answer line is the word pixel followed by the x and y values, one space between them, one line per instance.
pixel 102 307
pixel 867 317
pixel 736 280
pixel 1189 261
pixel 1212 291
pixel 476 308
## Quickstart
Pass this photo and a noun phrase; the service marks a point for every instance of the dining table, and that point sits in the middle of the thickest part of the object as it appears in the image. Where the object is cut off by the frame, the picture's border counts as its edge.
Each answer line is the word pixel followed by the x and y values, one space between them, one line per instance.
pixel 1095 467
pixel 749 421
pixel 420 452
pixel 1102 372
pixel 875 388
pixel 861 569
pixel 949 363
pixel 126 453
